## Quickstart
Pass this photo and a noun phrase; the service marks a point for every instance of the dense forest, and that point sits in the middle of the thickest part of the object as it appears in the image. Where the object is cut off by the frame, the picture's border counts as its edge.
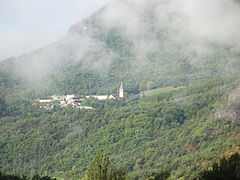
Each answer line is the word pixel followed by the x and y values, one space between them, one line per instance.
pixel 141 134
pixel 101 168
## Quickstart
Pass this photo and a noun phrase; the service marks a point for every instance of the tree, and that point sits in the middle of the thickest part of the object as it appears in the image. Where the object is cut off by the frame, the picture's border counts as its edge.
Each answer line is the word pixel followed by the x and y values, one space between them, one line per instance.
pixel 226 168
pixel 100 168
pixel 150 85
pixel 14 177
pixel 162 175
pixel 11 177
pixel 2 105
pixel 37 177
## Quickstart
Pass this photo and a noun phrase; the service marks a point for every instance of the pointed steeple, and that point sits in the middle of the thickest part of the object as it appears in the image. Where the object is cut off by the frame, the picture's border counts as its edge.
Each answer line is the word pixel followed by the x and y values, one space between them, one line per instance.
pixel 121 92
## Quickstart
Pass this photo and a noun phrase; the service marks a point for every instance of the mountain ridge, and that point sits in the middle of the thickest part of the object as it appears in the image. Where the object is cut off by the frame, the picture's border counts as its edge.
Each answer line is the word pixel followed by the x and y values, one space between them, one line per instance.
pixel 150 42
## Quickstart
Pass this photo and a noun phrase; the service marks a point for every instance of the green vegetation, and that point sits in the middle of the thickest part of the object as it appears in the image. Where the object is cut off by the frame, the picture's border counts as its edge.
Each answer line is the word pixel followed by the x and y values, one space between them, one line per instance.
pixel 142 135
pixel 158 91
pixel 226 168
pixel 14 177
pixel 100 168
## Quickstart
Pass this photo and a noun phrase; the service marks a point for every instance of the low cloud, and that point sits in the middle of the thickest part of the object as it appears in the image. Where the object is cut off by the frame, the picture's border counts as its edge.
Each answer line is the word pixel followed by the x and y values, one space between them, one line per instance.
pixel 163 26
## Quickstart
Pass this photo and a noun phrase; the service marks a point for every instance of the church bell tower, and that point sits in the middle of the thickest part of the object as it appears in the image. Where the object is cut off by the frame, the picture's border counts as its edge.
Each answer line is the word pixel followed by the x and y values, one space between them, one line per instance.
pixel 121 92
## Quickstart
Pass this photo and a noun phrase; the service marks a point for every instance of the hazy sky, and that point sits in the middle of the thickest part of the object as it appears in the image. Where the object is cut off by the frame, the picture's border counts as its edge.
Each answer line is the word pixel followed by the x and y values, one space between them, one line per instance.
pixel 26 25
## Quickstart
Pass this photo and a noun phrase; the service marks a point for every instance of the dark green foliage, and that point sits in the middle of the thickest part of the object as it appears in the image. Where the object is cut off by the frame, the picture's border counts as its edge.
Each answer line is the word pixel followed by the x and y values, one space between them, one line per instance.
pixel 11 177
pixel 174 114
pixel 152 175
pixel 14 177
pixel 37 177
pixel 225 169
pixel 100 168
pixel 161 176
pixel 2 105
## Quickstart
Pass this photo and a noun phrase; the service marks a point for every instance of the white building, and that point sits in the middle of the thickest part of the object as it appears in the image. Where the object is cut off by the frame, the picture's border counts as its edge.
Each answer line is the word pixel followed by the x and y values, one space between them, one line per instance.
pixel 84 107
pixel 111 97
pixel 58 98
pixel 62 102
pixel 45 100
pixel 69 96
pixel 101 97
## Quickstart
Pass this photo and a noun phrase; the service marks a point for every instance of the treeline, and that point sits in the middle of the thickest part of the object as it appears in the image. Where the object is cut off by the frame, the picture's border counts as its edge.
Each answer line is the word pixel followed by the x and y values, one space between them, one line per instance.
pixel 101 168
pixel 226 168
pixel 14 177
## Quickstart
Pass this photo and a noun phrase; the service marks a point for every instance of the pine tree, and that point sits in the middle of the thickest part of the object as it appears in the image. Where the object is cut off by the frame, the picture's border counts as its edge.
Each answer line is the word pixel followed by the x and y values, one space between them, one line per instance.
pixel 100 168
pixel 225 169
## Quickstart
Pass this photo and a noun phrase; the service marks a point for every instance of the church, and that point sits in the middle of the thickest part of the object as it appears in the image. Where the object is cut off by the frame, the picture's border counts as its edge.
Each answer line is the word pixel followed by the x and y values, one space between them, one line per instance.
pixel 121 91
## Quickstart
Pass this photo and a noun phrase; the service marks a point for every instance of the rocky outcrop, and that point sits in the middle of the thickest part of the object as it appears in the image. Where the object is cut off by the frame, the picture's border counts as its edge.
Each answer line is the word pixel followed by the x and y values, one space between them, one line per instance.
pixel 234 98
pixel 232 110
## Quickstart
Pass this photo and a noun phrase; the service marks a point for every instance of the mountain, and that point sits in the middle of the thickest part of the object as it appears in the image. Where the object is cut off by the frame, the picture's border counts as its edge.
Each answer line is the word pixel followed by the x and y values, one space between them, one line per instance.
pixel 179 63
pixel 138 42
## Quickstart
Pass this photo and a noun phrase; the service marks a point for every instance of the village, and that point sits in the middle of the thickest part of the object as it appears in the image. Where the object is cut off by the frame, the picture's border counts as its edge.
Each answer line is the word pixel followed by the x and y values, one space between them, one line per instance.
pixel 75 101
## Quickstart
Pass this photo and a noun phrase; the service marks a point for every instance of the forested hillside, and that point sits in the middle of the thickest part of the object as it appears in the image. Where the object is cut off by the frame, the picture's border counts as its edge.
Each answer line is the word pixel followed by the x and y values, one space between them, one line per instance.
pixel 140 134
pixel 181 106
